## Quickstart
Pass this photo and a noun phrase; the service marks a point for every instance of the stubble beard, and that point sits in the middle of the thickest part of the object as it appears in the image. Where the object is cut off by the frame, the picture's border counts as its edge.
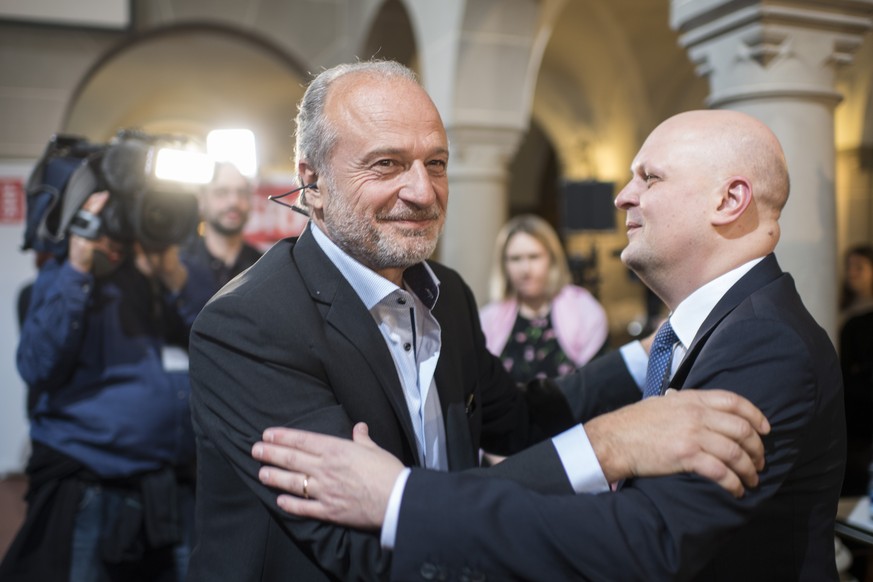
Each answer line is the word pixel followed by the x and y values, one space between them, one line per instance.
pixel 645 264
pixel 380 248
pixel 220 228
pixel 629 259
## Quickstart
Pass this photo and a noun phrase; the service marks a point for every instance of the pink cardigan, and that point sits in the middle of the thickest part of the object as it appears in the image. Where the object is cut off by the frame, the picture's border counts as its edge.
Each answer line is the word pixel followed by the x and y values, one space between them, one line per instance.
pixel 579 321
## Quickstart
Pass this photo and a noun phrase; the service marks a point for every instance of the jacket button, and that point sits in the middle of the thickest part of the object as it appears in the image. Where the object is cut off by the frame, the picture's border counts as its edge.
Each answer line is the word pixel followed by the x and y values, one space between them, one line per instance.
pixel 429 571
pixel 468 575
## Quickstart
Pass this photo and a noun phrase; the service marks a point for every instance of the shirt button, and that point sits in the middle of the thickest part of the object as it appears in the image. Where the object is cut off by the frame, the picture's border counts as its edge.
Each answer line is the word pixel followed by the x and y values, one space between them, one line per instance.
pixel 394 337
pixel 402 301
pixel 407 346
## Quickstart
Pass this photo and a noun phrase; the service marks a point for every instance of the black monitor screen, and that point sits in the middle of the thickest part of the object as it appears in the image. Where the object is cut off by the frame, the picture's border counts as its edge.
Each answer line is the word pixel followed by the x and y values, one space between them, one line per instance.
pixel 588 205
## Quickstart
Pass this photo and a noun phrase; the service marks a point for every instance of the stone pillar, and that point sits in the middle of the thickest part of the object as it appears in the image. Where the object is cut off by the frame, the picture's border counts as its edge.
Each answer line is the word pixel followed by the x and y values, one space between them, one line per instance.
pixel 777 62
pixel 480 60
pixel 477 200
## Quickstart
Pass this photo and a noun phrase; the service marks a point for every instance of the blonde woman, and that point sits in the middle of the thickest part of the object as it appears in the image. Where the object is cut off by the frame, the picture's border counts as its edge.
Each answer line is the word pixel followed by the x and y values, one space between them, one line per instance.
pixel 538 323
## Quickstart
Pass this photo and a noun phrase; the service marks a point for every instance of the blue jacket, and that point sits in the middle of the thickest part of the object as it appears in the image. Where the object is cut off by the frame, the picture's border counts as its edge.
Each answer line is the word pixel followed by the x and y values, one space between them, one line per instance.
pixel 105 361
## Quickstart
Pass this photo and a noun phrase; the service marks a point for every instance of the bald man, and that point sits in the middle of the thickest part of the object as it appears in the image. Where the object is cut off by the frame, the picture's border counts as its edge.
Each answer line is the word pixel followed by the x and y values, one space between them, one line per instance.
pixel 703 207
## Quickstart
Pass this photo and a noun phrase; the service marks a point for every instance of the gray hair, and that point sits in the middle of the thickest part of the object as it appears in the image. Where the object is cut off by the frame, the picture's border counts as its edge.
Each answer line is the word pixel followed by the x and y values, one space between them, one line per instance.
pixel 315 135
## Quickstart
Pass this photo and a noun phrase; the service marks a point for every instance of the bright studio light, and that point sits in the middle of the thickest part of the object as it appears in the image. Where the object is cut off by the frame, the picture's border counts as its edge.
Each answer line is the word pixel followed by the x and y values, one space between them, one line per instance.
pixel 236 146
pixel 183 166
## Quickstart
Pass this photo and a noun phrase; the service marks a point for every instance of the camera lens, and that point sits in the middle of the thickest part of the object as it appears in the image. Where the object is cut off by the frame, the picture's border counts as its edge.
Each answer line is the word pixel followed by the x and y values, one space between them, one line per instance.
pixel 165 218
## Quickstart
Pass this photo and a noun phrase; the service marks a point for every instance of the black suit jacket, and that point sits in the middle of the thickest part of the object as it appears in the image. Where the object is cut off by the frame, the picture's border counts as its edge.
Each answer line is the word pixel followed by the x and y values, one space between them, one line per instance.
pixel 290 343
pixel 758 341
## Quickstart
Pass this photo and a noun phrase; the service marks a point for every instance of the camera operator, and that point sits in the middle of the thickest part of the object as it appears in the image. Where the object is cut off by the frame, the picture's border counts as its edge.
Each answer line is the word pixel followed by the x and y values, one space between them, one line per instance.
pixel 103 350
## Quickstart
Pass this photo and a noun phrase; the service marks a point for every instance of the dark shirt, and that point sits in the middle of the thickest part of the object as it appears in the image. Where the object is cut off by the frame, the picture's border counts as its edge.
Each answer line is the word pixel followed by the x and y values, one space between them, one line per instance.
pixel 197 253
pixel 105 361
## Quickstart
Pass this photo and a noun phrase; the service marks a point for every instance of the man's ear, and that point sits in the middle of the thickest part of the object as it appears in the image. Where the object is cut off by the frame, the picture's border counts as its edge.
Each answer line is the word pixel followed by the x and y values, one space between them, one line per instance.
pixel 309 176
pixel 735 198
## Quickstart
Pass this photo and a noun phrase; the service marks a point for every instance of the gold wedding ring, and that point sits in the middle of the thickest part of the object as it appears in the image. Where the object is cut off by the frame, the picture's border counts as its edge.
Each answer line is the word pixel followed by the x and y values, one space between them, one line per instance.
pixel 306 487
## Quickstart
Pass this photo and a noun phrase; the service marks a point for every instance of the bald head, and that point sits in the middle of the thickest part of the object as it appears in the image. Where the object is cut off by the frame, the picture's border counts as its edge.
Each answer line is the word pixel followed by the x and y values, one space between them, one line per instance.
pixel 705 197
pixel 732 143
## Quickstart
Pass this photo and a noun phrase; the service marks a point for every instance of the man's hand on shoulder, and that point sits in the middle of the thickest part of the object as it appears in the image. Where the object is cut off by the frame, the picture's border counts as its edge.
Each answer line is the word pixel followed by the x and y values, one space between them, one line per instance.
pixel 329 478
pixel 714 433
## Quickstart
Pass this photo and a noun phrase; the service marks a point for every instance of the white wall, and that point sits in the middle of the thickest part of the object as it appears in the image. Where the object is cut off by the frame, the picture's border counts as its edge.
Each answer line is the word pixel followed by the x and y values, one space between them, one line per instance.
pixel 18 269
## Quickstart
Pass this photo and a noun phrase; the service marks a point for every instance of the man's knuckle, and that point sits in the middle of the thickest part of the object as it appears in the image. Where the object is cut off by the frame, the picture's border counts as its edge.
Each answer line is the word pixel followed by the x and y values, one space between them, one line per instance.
pixel 686 449
pixel 734 453
pixel 718 470
pixel 288 457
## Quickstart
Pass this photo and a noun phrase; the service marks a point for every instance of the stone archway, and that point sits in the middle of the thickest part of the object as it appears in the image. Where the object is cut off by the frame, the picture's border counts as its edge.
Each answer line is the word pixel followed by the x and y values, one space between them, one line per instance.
pixel 391 37
pixel 190 80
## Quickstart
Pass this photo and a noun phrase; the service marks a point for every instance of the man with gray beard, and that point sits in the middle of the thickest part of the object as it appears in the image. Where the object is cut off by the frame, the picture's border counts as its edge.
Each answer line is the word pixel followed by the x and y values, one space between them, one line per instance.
pixel 351 323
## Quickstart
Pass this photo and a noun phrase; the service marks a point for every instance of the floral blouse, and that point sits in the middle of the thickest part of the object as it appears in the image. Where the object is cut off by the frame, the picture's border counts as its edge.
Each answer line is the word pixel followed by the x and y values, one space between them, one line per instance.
pixel 533 351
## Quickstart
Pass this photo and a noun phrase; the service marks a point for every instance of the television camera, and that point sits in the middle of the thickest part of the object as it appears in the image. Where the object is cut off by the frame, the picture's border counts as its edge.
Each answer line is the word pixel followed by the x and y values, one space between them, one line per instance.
pixel 152 182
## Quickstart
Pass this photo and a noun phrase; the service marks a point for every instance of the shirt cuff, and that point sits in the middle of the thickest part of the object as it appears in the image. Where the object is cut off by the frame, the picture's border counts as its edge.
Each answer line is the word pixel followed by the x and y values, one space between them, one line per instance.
pixel 392 512
pixel 637 360
pixel 580 463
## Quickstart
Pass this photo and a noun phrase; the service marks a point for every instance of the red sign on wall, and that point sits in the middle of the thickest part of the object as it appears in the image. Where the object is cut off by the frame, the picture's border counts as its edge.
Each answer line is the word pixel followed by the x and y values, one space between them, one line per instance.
pixel 11 200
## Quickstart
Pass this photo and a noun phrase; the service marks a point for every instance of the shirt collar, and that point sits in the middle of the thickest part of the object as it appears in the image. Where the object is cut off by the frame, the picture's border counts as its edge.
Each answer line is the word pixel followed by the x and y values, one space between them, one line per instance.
pixel 689 315
pixel 369 285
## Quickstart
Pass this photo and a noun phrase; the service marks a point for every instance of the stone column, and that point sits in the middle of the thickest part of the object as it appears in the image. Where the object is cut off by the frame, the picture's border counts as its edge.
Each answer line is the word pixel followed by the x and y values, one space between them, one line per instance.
pixel 777 62
pixel 477 200
pixel 480 60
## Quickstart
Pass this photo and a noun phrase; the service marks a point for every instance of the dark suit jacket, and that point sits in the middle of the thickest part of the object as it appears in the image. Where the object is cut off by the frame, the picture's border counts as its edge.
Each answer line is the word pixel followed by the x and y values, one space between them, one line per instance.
pixel 758 341
pixel 290 343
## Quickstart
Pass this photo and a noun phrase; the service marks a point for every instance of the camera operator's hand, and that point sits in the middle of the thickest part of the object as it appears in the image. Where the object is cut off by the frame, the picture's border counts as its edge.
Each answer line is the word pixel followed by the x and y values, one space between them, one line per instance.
pixel 164 265
pixel 81 251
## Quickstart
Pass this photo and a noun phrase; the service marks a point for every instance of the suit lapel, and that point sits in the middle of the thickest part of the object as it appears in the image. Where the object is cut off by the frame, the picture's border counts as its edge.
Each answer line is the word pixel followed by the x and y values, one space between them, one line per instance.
pixel 460 452
pixel 760 275
pixel 345 312
pixel 763 273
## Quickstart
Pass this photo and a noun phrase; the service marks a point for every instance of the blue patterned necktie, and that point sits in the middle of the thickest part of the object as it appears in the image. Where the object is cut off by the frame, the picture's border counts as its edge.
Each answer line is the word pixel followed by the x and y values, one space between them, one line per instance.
pixel 659 360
